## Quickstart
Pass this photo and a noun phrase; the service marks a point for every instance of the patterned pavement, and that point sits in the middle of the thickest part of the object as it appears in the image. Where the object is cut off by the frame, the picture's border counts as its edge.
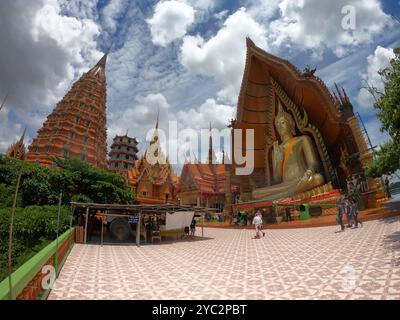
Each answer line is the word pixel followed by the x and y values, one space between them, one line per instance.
pixel 314 263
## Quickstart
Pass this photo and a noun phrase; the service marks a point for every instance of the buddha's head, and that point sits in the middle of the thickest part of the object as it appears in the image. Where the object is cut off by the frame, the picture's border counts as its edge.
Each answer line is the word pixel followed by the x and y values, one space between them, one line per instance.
pixel 284 122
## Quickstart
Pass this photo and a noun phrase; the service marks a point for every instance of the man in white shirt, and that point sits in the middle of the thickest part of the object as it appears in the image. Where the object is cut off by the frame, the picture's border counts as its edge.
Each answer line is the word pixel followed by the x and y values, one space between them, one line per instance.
pixel 257 221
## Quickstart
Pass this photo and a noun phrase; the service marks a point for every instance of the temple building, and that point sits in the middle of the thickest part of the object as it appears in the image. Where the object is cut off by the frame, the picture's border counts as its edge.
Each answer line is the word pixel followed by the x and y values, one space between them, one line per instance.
pixel 17 150
pixel 77 125
pixel 308 140
pixel 153 176
pixel 204 184
pixel 123 154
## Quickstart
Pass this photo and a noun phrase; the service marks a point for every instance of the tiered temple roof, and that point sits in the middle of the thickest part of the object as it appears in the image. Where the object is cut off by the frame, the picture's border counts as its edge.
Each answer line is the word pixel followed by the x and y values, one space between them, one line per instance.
pixel 77 125
pixel 17 150
pixel 154 182
pixel 123 153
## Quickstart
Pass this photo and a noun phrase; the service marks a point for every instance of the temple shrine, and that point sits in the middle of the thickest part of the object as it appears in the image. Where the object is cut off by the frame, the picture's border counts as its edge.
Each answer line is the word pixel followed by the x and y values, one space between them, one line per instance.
pixel 17 150
pixel 308 141
pixel 77 125
pixel 155 183
pixel 204 184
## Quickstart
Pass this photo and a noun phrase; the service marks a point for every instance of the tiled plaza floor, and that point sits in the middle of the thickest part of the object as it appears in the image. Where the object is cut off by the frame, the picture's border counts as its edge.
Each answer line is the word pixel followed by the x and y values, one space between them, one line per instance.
pixel 314 263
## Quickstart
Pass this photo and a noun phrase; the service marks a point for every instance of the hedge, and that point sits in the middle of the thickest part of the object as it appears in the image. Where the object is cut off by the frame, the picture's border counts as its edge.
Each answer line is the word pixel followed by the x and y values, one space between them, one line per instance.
pixel 34 228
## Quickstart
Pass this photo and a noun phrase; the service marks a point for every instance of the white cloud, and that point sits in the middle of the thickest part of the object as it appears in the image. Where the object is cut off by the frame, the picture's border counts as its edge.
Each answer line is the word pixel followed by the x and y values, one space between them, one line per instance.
pixel 170 21
pixel 47 48
pixel 140 118
pixel 209 112
pixel 201 4
pixel 380 59
pixel 76 38
pixel 111 12
pixel 317 25
pixel 81 9
pixel 223 56
pixel 373 126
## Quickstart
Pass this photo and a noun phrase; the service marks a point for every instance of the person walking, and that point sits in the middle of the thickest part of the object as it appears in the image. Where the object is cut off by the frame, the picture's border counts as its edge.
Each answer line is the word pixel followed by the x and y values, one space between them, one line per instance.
pixel 355 213
pixel 257 221
pixel 193 227
pixel 387 187
pixel 341 210
pixel 349 212
pixel 288 214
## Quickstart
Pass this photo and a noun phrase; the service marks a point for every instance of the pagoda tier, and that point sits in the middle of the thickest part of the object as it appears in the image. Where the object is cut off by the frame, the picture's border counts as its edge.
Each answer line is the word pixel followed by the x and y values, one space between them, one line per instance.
pixel 123 154
pixel 77 125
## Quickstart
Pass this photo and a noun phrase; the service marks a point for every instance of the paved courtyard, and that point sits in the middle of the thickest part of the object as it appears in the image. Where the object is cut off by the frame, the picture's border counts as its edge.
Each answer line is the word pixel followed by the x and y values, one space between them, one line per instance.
pixel 314 263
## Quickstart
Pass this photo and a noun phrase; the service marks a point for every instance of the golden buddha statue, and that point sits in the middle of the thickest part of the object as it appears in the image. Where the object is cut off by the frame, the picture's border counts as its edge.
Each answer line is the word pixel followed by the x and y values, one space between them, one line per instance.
pixel 294 161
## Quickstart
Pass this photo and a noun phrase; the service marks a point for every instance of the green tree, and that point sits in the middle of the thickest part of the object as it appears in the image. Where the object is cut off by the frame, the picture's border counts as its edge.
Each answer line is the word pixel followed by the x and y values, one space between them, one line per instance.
pixel 76 179
pixel 387 103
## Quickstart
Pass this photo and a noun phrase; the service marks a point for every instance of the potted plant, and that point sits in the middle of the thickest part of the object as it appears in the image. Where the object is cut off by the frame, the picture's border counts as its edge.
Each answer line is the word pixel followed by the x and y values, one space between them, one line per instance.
pixel 279 216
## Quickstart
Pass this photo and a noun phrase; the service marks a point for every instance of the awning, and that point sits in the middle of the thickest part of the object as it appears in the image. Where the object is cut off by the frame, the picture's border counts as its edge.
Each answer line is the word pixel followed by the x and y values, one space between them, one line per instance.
pixel 285 200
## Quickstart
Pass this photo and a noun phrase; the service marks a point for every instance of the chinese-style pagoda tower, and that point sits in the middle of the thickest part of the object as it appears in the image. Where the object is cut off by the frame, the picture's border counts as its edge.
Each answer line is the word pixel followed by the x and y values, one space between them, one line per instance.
pixel 123 154
pixel 77 125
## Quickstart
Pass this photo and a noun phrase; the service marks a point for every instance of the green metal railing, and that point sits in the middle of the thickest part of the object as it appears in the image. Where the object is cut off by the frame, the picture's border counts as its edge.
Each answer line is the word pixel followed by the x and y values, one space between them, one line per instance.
pixel 24 274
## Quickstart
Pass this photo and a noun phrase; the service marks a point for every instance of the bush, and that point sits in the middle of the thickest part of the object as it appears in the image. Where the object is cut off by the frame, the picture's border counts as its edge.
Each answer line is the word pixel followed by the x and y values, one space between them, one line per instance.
pixel 34 228
pixel 73 177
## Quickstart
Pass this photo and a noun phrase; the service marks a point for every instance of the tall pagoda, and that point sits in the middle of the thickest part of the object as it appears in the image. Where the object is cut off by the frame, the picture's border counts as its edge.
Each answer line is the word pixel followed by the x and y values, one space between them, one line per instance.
pixel 77 125
pixel 123 154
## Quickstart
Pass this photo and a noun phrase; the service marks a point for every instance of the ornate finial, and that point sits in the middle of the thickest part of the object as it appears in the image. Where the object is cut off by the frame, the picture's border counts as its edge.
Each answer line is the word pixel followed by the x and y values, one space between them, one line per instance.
pixel 4 101
pixel 23 136
pixel 158 118
pixel 308 72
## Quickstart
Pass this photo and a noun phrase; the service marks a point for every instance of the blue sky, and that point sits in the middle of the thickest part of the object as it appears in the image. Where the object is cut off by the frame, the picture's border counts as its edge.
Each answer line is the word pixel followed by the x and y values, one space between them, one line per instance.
pixel 182 57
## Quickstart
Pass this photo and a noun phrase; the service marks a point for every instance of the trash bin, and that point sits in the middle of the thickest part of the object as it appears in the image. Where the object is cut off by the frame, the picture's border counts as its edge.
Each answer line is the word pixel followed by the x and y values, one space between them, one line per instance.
pixel 304 211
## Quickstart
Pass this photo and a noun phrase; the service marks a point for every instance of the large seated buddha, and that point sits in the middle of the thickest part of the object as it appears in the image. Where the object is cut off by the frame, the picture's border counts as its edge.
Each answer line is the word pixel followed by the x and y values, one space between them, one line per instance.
pixel 294 162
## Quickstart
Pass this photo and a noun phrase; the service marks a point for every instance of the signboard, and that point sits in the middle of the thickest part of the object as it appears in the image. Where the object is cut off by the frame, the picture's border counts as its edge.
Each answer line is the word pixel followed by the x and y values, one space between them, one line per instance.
pixel 133 219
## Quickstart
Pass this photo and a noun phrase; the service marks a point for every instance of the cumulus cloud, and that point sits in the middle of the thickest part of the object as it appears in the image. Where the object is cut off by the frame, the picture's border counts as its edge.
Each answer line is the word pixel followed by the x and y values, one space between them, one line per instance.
pixel 113 11
pixel 209 112
pixel 45 50
pixel 317 25
pixel 170 21
pixel 81 9
pixel 380 59
pixel 223 56
pixel 140 118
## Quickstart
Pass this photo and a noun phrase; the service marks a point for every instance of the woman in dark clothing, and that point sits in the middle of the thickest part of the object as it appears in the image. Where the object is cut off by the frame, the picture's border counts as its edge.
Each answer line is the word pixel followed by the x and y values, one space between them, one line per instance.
pixel 193 227
pixel 355 213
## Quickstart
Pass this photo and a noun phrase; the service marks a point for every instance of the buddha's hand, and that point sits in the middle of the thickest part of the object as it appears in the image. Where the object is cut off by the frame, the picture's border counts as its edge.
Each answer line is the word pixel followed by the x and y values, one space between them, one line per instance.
pixel 308 175
pixel 277 153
